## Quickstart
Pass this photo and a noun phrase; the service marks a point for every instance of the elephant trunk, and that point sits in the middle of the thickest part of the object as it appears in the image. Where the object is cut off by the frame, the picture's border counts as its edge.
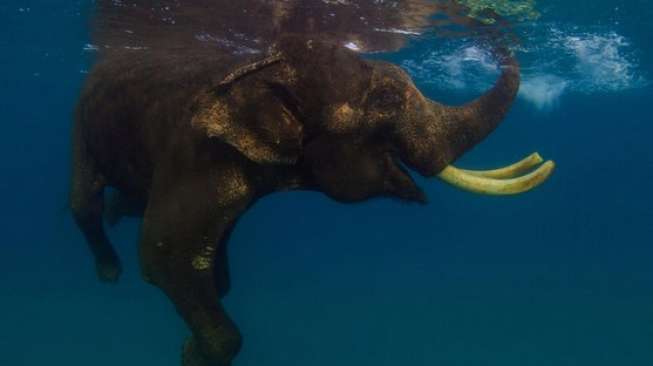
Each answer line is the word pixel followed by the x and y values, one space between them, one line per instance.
pixel 436 134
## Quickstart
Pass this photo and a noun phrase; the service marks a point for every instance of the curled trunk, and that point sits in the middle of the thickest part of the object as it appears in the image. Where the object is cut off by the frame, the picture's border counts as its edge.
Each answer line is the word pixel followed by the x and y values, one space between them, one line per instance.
pixel 430 144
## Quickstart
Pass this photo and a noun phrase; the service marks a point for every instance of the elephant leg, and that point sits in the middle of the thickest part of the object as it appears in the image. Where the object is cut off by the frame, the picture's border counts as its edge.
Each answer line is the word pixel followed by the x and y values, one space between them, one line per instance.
pixel 87 203
pixel 222 276
pixel 119 205
pixel 183 224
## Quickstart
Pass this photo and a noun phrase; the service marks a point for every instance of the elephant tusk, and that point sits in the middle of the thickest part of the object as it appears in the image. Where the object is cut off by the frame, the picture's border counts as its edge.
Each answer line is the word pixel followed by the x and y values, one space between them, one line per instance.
pixel 492 186
pixel 511 171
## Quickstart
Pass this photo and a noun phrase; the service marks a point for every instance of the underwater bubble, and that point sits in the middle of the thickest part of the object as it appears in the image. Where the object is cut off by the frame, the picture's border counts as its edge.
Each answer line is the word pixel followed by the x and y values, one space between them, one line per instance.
pixel 543 91
pixel 603 61
pixel 593 61
pixel 556 60
pixel 352 46
pixel 466 67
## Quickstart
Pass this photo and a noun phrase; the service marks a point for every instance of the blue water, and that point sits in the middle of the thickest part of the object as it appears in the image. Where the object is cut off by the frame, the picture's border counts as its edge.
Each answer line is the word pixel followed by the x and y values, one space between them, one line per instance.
pixel 559 276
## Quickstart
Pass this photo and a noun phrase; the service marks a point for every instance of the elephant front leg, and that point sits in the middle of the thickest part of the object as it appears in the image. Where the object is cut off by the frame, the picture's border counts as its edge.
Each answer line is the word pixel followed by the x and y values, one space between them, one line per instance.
pixel 182 230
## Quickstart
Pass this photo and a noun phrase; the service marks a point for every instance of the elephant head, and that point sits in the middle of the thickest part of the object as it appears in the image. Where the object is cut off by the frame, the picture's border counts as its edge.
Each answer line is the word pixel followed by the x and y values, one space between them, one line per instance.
pixel 352 125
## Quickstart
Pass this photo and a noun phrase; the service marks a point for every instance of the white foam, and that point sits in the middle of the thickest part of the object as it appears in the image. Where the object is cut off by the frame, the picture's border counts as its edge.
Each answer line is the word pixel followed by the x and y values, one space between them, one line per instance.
pixel 352 46
pixel 462 68
pixel 398 31
pixel 555 62
pixel 602 61
pixel 543 91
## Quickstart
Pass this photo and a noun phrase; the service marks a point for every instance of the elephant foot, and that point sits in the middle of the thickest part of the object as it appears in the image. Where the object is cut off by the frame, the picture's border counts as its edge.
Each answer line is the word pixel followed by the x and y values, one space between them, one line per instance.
pixel 108 269
pixel 191 356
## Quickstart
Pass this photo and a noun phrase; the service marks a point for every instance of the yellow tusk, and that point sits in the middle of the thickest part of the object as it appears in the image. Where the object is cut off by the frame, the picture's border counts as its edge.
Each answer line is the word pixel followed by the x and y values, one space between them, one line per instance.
pixel 490 186
pixel 511 171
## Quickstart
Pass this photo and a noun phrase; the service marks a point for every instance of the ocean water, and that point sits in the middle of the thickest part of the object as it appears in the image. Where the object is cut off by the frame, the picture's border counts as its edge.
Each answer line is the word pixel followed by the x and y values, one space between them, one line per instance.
pixel 560 276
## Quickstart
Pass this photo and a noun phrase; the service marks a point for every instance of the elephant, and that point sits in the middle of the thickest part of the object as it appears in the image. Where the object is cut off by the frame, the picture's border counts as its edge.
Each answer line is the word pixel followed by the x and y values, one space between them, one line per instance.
pixel 191 138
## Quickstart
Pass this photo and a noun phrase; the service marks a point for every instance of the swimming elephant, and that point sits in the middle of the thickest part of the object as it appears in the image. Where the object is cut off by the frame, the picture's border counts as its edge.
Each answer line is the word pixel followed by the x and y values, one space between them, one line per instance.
pixel 193 141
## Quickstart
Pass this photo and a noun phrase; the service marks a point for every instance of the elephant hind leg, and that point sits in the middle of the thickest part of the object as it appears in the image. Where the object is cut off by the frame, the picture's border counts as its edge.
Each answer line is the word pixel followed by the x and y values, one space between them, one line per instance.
pixel 119 205
pixel 87 202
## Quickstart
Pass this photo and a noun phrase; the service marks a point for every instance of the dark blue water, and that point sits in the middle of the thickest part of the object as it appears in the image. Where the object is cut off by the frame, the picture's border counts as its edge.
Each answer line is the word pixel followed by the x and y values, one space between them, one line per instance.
pixel 559 276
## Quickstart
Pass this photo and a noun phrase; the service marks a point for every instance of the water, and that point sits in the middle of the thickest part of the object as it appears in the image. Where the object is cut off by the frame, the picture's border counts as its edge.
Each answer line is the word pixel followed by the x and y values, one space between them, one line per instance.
pixel 560 276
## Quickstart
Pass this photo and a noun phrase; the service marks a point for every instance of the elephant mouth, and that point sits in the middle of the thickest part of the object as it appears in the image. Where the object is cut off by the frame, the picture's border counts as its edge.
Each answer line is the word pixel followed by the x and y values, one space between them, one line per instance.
pixel 516 178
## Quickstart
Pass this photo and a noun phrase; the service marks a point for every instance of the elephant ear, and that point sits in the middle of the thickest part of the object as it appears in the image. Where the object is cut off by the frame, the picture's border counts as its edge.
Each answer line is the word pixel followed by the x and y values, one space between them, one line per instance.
pixel 253 113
